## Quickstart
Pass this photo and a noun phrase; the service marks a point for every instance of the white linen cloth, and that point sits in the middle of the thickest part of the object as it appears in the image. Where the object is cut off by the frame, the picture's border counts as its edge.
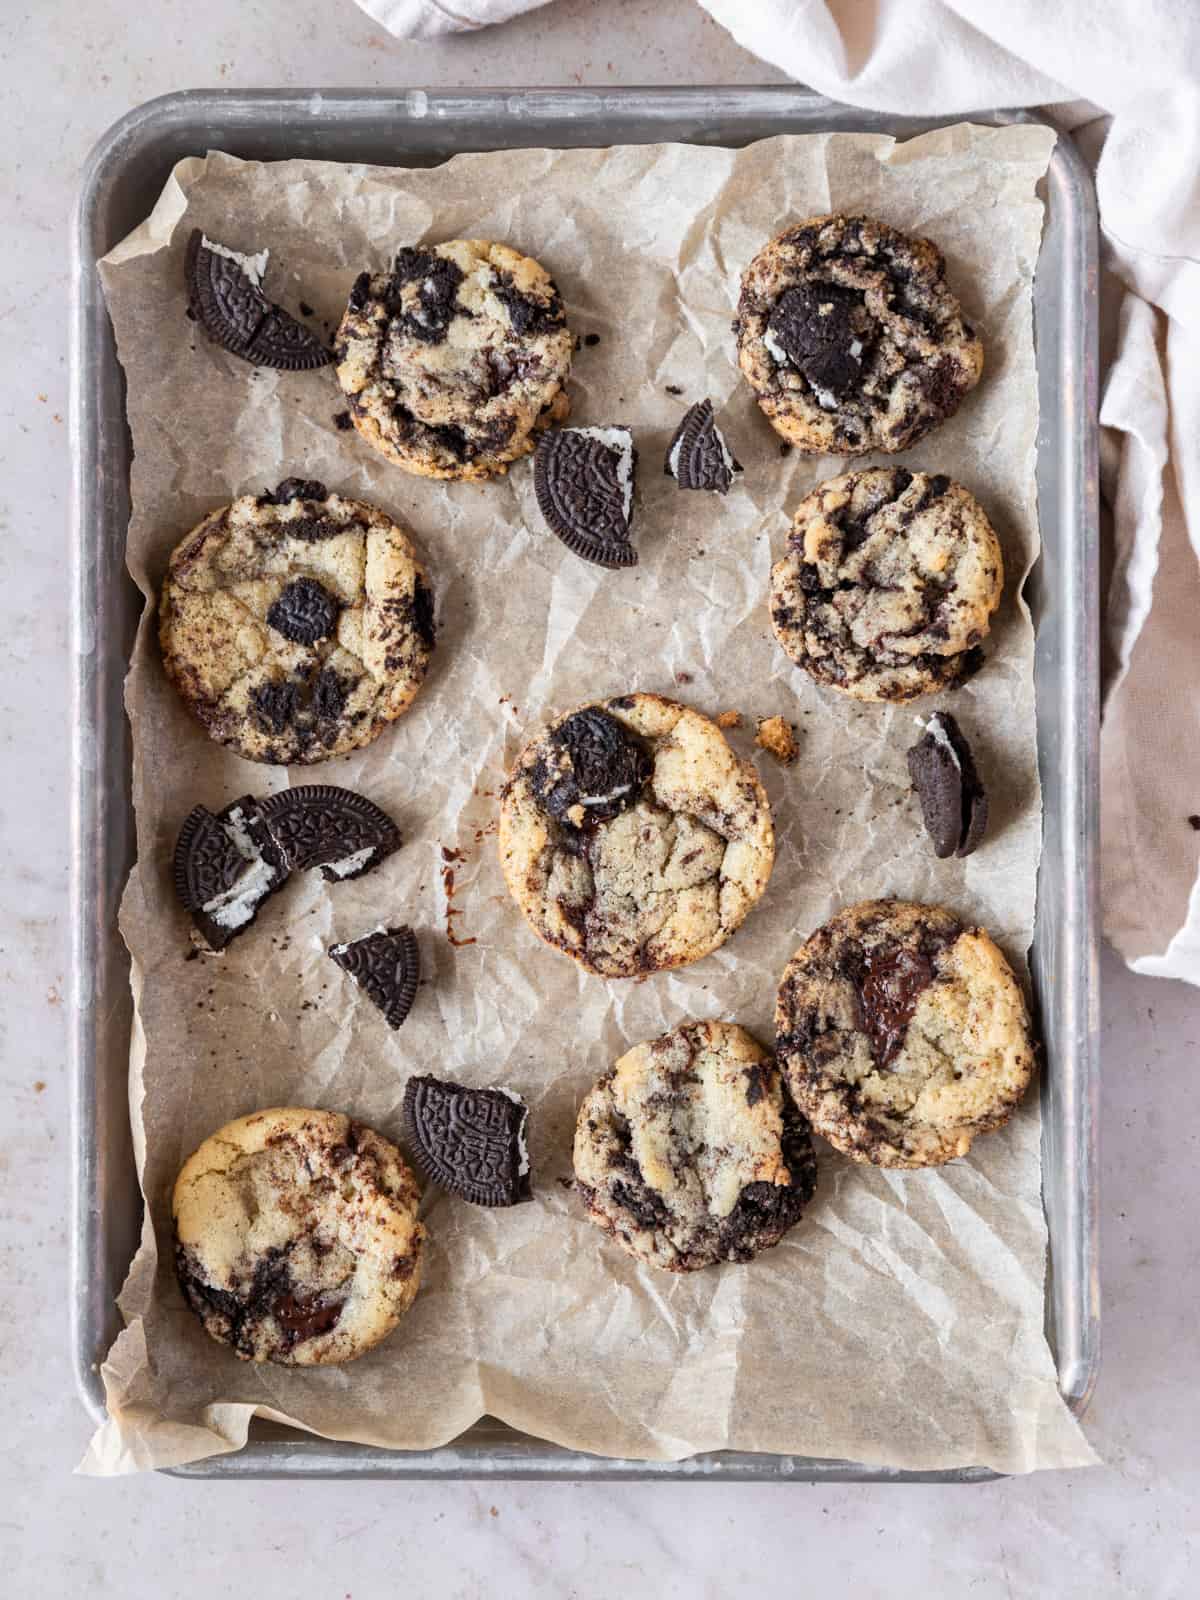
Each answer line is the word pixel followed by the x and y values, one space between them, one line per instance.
pixel 1125 75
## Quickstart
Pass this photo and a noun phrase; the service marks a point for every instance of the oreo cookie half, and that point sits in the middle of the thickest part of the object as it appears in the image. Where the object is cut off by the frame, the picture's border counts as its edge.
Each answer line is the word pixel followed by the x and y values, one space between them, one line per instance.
pixel 320 825
pixel 225 296
pixel 469 1141
pixel 583 479
pixel 954 804
pixel 386 966
pixel 226 865
pixel 698 457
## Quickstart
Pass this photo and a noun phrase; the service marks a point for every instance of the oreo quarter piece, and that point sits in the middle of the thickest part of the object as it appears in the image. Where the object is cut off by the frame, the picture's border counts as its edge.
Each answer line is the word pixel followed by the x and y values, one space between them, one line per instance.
pixel 320 825
pixel 470 1142
pixel 386 966
pixel 954 804
pixel 225 296
pixel 698 457
pixel 583 479
pixel 226 865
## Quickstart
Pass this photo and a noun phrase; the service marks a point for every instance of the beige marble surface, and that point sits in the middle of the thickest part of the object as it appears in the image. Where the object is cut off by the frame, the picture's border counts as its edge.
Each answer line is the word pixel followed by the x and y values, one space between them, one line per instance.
pixel 67 70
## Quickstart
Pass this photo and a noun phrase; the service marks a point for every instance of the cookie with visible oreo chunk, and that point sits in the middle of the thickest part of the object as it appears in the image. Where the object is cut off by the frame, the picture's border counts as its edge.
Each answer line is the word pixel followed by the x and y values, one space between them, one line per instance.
pixel 386 966
pixel 453 361
pixel 888 584
pixel 296 624
pixel 296 1236
pixel 226 298
pixel 902 1034
pixel 954 804
pixel 583 479
pixel 698 457
pixel 850 337
pixel 689 1153
pixel 471 1142
pixel 632 837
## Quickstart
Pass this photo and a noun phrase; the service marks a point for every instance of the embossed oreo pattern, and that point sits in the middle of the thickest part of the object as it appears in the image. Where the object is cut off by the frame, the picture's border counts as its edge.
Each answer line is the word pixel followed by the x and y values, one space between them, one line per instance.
pixel 237 315
pixel 469 1141
pixel 386 965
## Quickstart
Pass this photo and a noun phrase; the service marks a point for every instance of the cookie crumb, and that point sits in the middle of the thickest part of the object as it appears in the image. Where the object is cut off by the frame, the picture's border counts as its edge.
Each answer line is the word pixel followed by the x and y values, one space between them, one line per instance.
pixel 591 339
pixel 1194 822
pixel 785 449
pixel 729 719
pixel 778 738
pixel 342 421
pixel 39 1085
pixel 673 388
pixel 305 309
pixel 683 677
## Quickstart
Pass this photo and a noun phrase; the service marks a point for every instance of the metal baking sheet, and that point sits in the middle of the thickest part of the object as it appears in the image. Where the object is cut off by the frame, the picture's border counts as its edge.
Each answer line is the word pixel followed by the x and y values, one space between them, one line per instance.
pixel 121 181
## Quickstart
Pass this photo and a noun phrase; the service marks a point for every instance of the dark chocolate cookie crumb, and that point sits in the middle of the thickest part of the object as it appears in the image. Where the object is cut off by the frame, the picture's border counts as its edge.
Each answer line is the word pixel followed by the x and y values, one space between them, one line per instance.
pixel 343 421
pixel 470 1142
pixel 591 339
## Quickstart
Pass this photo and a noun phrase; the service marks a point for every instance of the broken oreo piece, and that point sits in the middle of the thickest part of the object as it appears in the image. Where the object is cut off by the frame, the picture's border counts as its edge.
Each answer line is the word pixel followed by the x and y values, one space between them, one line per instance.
pixel 320 825
pixel 698 457
pixel 226 865
pixel 470 1142
pixel 597 771
pixel 304 611
pixel 812 328
pixel 385 965
pixel 225 296
pixel 953 802
pixel 583 479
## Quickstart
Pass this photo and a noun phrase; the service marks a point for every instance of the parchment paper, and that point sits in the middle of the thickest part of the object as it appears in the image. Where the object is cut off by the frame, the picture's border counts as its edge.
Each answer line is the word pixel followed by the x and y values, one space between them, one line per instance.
pixel 902 1321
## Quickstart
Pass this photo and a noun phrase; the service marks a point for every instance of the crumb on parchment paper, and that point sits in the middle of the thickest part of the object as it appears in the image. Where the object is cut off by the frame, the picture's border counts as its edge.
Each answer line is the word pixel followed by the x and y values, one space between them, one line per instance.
pixel 778 738
pixel 729 719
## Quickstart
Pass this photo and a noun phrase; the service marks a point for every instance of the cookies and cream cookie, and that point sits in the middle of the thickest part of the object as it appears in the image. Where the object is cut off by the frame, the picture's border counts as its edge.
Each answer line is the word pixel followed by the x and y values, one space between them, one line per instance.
pixel 296 624
pixel 902 1034
pixel 296 1236
pixel 632 837
pixel 850 337
pixel 688 1152
pixel 453 359
pixel 888 583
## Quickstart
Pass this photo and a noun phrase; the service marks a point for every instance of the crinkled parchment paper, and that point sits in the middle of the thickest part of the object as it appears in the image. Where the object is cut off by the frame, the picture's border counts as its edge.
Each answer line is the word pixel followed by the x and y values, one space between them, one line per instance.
pixel 902 1321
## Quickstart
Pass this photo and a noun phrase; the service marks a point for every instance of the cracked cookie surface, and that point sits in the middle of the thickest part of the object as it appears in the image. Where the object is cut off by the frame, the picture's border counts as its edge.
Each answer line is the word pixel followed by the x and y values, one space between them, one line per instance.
pixel 902 1034
pixel 888 584
pixel 632 837
pixel 296 629
pixel 296 1236
pixel 688 1152
pixel 455 358
pixel 850 337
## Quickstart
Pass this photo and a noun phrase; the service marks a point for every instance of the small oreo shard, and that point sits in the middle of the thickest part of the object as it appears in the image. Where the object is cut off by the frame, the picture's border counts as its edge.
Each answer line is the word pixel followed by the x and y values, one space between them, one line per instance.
pixel 320 825
pixel 597 770
pixel 953 801
pixel 698 457
pixel 583 479
pixel 226 865
pixel 470 1142
pixel 386 966
pixel 225 296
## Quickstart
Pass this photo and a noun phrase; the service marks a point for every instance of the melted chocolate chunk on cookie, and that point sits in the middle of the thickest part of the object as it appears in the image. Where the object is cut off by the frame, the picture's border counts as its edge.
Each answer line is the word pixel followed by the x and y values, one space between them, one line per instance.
pixel 583 479
pixel 386 966
pixel 439 278
pixel 304 612
pixel 306 1317
pixel 814 325
pixel 698 457
pixel 270 1295
pixel 527 314
pixel 954 804
pixel 294 489
pixel 470 1142
pixel 225 298
pixel 598 765
pixel 274 705
pixel 321 825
